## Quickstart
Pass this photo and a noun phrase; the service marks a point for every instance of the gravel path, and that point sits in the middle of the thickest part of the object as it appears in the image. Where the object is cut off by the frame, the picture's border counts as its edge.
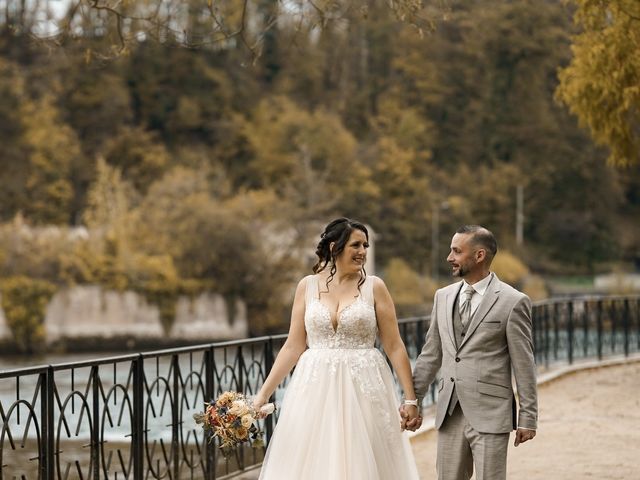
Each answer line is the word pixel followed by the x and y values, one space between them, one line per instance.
pixel 589 427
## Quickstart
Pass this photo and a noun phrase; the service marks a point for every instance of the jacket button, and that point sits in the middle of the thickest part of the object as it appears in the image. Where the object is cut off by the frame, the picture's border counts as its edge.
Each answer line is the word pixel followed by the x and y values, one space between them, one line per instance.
pixel 457 359
pixel 462 334
pixel 452 379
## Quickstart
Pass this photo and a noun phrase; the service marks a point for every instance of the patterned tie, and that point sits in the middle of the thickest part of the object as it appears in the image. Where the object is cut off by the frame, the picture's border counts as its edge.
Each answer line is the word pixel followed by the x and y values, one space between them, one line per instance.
pixel 465 308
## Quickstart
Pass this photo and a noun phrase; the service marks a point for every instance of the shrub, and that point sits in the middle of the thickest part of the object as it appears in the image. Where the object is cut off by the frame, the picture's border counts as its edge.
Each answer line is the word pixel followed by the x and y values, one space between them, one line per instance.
pixel 509 268
pixel 25 301
pixel 410 291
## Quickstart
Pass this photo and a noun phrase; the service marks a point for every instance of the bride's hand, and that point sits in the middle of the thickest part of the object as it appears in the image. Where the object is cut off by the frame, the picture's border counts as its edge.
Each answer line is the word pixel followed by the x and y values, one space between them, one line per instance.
pixel 410 417
pixel 258 402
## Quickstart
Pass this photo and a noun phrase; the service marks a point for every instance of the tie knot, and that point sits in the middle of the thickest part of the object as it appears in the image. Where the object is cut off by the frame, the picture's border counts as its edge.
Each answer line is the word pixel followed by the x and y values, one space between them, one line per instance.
pixel 468 292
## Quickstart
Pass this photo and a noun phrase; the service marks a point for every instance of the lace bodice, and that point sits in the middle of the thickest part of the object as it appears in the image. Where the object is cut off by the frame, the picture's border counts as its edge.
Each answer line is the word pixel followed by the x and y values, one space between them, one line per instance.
pixel 357 325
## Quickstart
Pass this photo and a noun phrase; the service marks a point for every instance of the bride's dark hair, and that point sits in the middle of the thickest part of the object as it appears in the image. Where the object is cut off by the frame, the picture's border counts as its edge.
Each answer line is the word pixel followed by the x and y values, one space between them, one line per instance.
pixel 337 232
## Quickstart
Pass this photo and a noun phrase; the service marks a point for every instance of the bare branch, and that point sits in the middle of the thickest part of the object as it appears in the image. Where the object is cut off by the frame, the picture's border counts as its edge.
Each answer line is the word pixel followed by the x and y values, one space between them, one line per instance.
pixel 156 22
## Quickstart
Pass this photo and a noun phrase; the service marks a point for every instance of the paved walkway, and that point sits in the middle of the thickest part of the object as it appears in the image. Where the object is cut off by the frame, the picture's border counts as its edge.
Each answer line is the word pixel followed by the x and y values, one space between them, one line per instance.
pixel 589 427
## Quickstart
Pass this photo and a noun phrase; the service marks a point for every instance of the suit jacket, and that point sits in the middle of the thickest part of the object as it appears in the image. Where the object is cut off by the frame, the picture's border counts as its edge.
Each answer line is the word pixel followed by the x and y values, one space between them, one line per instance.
pixel 498 342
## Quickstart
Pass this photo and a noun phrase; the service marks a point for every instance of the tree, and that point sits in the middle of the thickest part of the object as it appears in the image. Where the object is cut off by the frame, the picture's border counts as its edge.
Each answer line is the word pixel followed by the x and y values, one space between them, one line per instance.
pixel 601 85
pixel 309 158
pixel 13 170
pixel 139 155
pixel 233 246
pixel 52 148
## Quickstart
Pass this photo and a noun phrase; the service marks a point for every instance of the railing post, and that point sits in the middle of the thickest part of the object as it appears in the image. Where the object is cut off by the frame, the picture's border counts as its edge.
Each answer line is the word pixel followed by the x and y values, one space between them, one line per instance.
pixel 241 384
pixel 208 396
pixel 546 335
pixel 625 323
pixel 585 326
pixel 47 456
pixel 268 363
pixel 599 327
pixel 614 324
pixel 95 434
pixel 570 332
pixel 638 321
pixel 137 446
pixel 175 419
pixel 556 330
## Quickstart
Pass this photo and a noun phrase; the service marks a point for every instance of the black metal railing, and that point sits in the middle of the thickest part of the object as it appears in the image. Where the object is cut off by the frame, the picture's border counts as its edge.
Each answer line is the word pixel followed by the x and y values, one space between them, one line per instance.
pixel 567 329
pixel 131 416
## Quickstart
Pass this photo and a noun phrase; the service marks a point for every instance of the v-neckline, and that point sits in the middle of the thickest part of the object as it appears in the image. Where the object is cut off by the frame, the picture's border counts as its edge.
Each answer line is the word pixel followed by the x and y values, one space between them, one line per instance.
pixel 329 311
pixel 338 314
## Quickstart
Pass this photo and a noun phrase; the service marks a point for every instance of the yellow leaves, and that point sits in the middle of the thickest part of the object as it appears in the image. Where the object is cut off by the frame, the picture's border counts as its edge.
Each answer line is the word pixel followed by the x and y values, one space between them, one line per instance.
pixel 53 146
pixel 108 199
pixel 309 157
pixel 601 84
pixel 393 161
pixel 140 155
pixel 256 204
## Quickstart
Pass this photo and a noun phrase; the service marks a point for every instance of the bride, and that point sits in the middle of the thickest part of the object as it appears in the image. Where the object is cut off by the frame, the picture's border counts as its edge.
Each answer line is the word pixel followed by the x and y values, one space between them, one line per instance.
pixel 339 417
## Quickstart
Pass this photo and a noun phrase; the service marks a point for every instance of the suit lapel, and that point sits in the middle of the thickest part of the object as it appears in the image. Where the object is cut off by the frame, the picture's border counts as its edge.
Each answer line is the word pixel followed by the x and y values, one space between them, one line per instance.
pixel 488 301
pixel 451 298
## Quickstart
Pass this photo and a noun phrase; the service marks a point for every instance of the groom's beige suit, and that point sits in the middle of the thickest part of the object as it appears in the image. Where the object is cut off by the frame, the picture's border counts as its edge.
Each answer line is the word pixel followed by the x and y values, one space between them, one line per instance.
pixel 476 404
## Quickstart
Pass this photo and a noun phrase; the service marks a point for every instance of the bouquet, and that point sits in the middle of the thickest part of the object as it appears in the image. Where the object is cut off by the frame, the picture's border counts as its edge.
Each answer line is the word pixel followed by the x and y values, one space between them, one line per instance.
pixel 232 418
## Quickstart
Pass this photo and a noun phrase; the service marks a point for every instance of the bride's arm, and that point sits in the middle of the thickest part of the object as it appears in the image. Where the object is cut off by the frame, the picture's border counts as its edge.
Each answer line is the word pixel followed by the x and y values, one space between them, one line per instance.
pixel 293 347
pixel 391 339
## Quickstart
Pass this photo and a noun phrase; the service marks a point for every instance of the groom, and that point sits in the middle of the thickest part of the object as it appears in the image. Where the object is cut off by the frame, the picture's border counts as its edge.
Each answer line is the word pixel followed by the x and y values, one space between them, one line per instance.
pixel 480 333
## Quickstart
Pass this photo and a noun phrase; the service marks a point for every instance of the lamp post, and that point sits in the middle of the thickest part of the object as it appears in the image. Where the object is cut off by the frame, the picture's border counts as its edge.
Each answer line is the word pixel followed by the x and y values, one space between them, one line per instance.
pixel 519 215
pixel 435 236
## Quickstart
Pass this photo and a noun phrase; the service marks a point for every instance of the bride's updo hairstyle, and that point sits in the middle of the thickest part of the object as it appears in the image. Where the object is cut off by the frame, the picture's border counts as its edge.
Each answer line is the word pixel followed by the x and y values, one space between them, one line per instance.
pixel 337 232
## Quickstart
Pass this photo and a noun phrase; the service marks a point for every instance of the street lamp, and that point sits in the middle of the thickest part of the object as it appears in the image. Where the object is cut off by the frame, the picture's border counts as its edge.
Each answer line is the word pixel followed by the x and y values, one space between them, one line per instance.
pixel 435 236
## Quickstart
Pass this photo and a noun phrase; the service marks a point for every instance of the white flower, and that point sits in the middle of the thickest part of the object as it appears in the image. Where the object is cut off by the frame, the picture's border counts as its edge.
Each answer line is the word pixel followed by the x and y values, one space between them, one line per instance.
pixel 239 408
pixel 247 420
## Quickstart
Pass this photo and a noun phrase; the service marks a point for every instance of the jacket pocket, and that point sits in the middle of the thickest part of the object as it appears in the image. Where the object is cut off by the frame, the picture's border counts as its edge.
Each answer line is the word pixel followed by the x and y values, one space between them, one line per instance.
pixel 490 324
pixel 494 390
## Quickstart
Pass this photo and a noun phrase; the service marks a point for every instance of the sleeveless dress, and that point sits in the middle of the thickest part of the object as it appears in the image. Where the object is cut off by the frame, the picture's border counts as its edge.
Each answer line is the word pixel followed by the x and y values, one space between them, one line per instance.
pixel 339 416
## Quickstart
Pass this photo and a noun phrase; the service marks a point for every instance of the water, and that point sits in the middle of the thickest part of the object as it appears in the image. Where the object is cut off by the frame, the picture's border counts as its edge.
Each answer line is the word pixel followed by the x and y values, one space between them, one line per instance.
pixel 75 389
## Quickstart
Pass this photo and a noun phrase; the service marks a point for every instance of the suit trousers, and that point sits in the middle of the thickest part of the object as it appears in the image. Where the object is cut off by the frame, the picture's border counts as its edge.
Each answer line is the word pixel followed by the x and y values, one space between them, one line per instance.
pixel 460 447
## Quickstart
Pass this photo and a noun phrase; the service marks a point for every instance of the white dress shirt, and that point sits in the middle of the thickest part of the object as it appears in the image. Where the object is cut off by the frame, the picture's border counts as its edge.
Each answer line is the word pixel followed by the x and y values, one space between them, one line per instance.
pixel 480 288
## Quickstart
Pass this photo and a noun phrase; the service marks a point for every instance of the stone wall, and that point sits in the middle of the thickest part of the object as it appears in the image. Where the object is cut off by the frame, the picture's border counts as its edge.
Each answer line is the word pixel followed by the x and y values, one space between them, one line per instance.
pixel 5 333
pixel 91 312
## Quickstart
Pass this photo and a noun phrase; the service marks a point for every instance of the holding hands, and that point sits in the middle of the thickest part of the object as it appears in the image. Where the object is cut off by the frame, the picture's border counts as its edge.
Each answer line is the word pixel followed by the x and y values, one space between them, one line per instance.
pixel 410 416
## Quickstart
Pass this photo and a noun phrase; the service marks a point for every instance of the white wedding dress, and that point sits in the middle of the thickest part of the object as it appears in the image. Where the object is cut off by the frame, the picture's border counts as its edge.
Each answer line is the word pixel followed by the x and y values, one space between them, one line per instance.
pixel 339 417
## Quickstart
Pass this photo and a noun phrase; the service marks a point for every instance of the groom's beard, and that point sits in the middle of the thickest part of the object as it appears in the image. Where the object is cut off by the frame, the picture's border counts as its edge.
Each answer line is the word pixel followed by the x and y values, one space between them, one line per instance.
pixel 461 272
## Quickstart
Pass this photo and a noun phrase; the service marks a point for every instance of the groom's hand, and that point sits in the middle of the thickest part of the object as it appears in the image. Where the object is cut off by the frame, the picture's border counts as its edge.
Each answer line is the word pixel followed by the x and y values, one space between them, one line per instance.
pixel 403 417
pixel 411 420
pixel 523 435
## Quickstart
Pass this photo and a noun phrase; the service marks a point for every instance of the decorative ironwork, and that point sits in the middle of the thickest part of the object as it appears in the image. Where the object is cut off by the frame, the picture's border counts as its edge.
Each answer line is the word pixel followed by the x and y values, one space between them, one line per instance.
pixel 132 416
